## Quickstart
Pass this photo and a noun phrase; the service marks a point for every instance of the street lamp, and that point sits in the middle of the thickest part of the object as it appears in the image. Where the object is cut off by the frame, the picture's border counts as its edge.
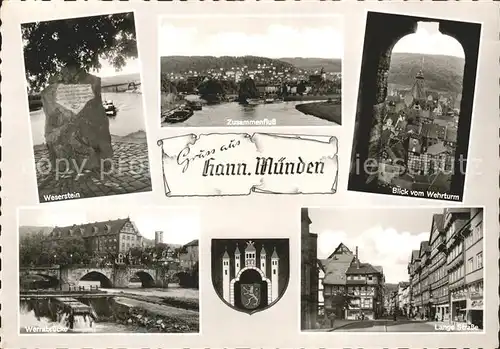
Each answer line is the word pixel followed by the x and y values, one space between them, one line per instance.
pixel 55 259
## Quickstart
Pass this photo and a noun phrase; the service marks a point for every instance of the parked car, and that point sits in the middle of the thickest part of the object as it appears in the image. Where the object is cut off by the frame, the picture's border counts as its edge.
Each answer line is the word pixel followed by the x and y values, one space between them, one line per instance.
pixel 109 107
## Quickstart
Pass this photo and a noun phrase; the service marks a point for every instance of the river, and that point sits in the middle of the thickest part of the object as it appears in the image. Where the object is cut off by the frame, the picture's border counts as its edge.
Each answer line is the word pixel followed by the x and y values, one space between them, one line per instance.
pixel 235 114
pixel 28 320
pixel 129 118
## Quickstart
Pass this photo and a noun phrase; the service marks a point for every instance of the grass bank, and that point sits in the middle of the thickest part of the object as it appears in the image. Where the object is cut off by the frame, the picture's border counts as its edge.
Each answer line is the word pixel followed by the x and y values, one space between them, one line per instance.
pixel 323 110
pixel 310 98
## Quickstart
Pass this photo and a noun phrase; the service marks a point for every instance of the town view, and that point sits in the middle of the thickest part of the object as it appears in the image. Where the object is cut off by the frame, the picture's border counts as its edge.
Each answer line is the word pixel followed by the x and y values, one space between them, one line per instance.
pixel 245 79
pixel 417 134
pixel 400 270
pixel 106 276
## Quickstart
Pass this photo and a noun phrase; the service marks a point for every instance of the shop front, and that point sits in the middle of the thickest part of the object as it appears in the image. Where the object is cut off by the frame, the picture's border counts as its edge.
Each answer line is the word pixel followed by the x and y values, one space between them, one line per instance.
pixel 458 305
pixel 475 302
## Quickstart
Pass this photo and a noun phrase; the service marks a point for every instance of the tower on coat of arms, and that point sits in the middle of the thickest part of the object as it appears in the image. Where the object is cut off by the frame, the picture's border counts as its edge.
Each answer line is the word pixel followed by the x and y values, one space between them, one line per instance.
pixel 250 275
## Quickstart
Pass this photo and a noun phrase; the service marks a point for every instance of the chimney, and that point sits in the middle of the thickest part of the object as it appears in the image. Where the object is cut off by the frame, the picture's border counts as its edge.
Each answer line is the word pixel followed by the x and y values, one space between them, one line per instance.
pixel 357 259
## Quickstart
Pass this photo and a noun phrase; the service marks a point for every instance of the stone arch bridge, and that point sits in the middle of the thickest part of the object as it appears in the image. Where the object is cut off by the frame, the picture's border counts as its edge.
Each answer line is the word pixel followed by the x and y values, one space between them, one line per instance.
pixel 109 277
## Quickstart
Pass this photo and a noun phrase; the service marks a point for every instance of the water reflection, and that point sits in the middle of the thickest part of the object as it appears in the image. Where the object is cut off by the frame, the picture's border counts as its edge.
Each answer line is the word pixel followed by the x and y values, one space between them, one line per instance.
pixel 129 117
pixel 222 114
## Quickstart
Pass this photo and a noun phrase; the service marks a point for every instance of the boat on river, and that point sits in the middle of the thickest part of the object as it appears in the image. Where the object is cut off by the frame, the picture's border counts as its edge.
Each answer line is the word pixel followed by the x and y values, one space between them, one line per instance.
pixel 179 114
pixel 255 101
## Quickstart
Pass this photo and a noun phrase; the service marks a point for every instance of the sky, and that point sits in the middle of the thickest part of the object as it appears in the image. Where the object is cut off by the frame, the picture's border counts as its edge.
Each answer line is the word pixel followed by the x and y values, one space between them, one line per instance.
pixel 428 40
pixel 384 237
pixel 179 225
pixel 271 37
pixel 132 67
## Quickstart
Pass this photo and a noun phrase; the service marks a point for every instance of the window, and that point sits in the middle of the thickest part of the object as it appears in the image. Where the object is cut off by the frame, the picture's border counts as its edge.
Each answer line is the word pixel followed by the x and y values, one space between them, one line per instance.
pixel 225 272
pixel 479 260
pixel 470 265
pixel 274 271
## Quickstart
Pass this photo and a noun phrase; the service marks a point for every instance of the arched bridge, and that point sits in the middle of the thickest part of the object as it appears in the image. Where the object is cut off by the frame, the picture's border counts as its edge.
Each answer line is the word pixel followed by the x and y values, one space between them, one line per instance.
pixel 114 276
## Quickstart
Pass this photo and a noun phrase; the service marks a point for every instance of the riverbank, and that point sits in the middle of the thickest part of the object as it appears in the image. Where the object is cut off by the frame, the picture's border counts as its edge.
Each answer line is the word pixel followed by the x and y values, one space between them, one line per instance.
pixel 310 98
pixel 324 110
pixel 155 317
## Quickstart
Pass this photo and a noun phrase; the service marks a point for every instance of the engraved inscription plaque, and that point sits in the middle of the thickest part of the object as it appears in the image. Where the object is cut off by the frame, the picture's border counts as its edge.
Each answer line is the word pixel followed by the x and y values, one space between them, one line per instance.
pixel 74 96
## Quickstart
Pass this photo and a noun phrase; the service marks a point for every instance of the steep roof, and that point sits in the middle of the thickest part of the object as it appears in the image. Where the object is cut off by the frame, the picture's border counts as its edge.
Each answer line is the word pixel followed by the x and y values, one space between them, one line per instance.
pixel 451 134
pixel 109 227
pixel 263 251
pixel 340 249
pixel 364 268
pixel 437 149
pixel 274 255
pixel 424 246
pixel 415 254
pixel 192 243
pixel 433 131
pixel 250 247
pixel 335 269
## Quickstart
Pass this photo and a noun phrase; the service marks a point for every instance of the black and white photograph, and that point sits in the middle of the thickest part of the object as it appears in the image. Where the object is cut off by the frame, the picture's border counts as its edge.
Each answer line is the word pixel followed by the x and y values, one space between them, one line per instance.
pixel 392 270
pixel 258 71
pixel 109 270
pixel 250 275
pixel 415 102
pixel 86 107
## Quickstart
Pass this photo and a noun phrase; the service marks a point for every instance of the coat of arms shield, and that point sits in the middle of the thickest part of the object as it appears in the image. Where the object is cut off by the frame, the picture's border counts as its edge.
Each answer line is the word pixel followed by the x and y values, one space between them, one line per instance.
pixel 250 275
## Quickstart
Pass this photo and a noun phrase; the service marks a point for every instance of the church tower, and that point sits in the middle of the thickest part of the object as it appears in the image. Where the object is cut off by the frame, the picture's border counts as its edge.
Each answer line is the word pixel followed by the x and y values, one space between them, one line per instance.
pixel 274 275
pixel 250 255
pixel 225 276
pixel 418 90
pixel 263 260
pixel 237 260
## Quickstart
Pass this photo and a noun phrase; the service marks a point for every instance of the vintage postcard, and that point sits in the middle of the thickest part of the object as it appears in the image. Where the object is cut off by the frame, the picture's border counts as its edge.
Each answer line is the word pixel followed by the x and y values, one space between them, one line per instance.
pixel 223 124
pixel 397 270
pixel 415 106
pixel 86 107
pixel 123 270
pixel 251 71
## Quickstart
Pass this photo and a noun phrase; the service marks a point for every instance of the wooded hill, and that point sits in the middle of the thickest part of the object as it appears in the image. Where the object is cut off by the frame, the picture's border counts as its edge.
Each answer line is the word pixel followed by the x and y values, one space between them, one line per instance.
pixel 441 73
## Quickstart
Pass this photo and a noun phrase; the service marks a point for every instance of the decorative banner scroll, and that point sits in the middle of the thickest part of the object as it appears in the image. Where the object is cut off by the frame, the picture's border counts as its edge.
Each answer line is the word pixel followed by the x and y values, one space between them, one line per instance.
pixel 223 164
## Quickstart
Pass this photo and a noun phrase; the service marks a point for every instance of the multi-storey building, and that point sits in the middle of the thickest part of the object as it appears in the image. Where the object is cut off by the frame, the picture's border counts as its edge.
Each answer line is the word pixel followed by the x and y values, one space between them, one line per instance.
pixel 454 278
pixel 364 283
pixel 414 277
pixel 456 222
pixel 334 283
pixel 113 236
pixel 403 298
pixel 423 295
pixel 438 275
pixel 188 255
pixel 474 272
pixel 308 274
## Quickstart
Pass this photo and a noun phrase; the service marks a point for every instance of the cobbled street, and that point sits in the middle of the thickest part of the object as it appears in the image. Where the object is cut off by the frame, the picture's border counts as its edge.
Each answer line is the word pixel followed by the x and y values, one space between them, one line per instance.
pixel 130 174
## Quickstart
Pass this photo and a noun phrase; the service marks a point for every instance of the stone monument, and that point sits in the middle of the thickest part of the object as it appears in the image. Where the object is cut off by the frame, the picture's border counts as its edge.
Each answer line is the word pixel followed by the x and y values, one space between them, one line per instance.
pixel 76 125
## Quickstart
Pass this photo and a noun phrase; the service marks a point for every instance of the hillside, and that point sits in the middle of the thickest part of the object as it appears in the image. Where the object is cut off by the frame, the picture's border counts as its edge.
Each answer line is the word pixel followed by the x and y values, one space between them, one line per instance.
pixel 441 73
pixel 330 65
pixel 25 230
pixel 120 79
pixel 182 64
